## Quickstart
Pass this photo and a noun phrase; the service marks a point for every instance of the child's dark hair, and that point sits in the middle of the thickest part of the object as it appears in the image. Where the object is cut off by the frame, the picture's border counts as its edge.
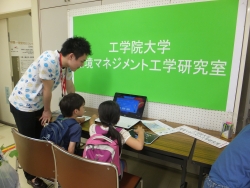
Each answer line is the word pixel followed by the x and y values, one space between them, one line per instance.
pixel 76 45
pixel 109 115
pixel 69 103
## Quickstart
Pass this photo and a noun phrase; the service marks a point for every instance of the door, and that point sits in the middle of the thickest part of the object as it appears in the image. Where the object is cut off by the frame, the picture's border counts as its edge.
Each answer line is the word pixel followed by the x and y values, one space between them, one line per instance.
pixel 15 69
pixel 5 74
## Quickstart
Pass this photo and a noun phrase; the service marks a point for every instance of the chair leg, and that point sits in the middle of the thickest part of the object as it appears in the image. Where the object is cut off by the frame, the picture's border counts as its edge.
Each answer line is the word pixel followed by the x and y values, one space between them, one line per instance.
pixel 141 183
pixel 17 164
pixel 52 184
pixel 56 184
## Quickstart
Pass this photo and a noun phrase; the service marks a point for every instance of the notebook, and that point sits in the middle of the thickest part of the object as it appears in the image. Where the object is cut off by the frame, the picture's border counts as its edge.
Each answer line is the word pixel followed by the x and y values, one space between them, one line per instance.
pixel 149 138
pixel 132 107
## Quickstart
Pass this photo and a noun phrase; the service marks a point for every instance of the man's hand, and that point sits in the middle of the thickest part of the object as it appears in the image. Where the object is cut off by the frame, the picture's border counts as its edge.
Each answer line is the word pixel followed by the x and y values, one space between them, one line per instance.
pixel 46 117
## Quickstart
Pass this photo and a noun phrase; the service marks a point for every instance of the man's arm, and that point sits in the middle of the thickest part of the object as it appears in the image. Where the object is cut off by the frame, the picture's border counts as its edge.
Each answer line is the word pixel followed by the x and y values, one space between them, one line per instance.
pixel 70 86
pixel 47 95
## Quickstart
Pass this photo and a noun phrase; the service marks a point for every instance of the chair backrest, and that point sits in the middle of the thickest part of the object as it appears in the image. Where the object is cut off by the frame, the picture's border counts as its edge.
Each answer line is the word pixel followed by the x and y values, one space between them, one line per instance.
pixel 35 156
pixel 75 171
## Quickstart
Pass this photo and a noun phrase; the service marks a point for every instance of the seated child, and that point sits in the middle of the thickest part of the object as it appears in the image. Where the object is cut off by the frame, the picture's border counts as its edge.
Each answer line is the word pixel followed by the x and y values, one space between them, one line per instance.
pixel 72 106
pixel 109 115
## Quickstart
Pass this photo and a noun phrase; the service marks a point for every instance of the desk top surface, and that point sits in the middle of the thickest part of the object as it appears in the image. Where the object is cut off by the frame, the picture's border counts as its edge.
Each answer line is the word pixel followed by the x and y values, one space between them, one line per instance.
pixel 205 153
pixel 176 143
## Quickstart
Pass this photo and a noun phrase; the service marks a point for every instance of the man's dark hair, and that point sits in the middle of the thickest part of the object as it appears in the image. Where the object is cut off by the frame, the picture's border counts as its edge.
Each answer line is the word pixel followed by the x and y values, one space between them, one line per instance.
pixel 69 103
pixel 76 45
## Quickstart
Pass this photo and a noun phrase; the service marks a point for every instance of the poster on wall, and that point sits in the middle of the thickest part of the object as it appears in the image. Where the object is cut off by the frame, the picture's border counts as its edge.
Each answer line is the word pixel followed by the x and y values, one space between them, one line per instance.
pixel 184 54
pixel 24 50
pixel 14 48
pixel 26 55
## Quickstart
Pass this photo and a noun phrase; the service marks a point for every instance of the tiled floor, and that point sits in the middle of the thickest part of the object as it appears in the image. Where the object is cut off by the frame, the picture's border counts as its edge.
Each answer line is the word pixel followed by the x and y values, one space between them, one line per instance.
pixel 154 175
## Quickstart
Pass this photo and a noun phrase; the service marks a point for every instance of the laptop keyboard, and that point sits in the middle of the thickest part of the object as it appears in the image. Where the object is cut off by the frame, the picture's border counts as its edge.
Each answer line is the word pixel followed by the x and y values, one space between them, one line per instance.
pixel 124 122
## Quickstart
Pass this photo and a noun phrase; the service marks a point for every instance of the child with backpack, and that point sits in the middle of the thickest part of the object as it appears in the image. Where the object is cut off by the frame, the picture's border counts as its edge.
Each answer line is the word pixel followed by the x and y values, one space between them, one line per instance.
pixel 109 115
pixel 66 131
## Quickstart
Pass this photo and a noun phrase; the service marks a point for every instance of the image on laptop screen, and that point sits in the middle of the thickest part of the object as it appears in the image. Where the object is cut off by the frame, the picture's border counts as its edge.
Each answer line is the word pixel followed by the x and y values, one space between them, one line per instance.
pixel 131 105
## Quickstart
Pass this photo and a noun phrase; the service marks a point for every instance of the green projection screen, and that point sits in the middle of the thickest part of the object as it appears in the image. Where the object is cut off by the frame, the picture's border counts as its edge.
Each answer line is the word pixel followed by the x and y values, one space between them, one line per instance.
pixel 177 54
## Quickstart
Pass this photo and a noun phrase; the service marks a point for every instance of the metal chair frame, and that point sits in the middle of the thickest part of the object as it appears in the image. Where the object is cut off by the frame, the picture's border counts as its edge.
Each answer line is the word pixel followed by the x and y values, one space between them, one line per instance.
pixel 75 171
pixel 35 157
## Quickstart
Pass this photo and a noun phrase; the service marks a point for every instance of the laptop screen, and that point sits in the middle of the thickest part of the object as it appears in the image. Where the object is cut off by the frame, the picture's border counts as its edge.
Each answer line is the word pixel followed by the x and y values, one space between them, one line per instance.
pixel 131 105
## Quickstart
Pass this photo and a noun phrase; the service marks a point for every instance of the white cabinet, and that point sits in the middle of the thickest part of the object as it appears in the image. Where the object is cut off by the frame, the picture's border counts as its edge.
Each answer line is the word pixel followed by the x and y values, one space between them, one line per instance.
pixel 54 24
pixel 105 2
pixel 52 3
pixel 70 2
pixel 45 4
pixel 53 33
pixel 53 28
pixel 83 4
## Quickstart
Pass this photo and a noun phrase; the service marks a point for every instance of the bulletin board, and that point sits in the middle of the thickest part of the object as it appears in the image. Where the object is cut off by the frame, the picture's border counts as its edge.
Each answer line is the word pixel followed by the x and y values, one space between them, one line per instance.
pixel 184 54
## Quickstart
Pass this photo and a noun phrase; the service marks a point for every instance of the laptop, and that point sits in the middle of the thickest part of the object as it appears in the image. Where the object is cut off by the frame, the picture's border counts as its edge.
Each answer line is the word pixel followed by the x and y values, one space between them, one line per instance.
pixel 132 107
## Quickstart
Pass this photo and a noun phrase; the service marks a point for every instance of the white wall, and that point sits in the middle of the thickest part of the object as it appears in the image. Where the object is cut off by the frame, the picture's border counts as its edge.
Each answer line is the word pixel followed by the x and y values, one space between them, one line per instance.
pixel 20 28
pixel 35 27
pixel 5 74
pixel 8 6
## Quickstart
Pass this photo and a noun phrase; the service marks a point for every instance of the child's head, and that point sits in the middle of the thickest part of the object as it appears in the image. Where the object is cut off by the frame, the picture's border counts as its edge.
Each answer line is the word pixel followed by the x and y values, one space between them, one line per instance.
pixel 76 45
pixel 71 104
pixel 109 113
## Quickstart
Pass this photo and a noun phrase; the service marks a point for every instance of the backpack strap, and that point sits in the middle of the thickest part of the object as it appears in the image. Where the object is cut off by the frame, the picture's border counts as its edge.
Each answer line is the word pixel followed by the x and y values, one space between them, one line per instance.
pixel 99 130
pixel 98 137
pixel 67 123
pixel 70 121
pixel 118 129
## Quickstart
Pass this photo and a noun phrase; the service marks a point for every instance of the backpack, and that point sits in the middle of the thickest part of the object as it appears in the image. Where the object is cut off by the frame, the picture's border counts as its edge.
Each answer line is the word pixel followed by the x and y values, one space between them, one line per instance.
pixel 56 130
pixel 103 149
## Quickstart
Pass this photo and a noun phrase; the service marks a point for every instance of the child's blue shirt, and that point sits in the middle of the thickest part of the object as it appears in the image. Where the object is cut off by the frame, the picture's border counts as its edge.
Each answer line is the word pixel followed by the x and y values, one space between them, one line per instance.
pixel 73 134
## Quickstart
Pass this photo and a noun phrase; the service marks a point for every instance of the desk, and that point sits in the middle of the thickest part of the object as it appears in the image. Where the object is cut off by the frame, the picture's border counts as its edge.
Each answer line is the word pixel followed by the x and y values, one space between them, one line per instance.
pixel 205 154
pixel 175 148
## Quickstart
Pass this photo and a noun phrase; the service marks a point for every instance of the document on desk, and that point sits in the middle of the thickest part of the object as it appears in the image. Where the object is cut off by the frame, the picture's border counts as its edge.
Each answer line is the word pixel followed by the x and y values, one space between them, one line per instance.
pixel 219 143
pixel 86 118
pixel 158 127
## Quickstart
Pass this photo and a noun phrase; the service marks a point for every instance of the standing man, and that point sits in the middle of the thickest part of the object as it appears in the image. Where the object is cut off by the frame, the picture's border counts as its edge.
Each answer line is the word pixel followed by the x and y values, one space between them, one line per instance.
pixel 30 100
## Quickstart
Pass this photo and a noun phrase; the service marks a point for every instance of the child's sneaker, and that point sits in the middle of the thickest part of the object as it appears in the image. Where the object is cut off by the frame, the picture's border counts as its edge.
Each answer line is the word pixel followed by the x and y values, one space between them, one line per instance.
pixel 38 183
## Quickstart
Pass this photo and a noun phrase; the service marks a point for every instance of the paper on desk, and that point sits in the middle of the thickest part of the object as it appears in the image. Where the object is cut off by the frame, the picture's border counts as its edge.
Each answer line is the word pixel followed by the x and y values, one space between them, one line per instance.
pixel 219 143
pixel 98 120
pixel 158 127
pixel 86 118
